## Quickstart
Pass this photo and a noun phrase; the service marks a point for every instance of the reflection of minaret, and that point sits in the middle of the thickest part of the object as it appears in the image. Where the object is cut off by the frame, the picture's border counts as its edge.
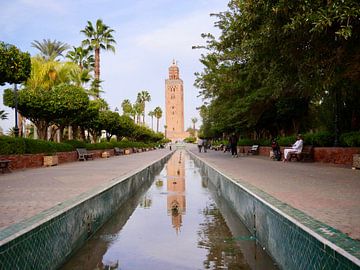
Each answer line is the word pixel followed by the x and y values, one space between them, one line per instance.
pixel 176 203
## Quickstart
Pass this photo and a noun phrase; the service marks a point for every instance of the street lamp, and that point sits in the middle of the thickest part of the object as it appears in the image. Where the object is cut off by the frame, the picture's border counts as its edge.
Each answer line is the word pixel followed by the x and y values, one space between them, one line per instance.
pixel 16 128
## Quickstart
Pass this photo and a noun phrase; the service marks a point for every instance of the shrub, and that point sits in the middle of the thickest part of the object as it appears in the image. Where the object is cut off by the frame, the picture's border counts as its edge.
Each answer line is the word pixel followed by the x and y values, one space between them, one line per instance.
pixel 76 144
pixel 351 139
pixel 190 140
pixel 286 141
pixel 11 146
pixel 97 146
pixel 322 138
pixel 245 142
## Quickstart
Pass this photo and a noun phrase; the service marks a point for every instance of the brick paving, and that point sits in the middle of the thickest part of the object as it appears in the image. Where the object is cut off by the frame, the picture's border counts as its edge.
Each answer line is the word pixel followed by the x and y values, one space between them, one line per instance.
pixel 330 194
pixel 26 193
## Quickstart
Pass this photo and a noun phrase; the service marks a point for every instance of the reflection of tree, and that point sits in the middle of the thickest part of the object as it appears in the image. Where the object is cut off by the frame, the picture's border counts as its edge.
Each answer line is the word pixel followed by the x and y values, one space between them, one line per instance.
pixel 212 234
pixel 90 256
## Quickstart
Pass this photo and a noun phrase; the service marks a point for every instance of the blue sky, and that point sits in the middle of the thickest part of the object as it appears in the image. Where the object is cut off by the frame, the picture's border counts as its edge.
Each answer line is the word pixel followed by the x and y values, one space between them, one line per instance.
pixel 149 35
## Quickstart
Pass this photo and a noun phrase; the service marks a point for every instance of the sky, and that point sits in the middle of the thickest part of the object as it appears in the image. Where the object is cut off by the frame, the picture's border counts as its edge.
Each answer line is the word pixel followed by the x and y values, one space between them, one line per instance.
pixel 149 35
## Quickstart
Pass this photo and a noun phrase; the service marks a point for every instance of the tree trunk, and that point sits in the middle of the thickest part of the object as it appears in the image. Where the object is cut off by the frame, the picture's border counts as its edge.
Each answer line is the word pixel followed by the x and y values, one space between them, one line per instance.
pixel 97 64
pixel 157 124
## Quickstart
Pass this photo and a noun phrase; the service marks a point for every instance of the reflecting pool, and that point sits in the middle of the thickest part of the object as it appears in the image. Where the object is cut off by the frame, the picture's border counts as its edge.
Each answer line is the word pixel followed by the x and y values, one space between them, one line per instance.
pixel 176 223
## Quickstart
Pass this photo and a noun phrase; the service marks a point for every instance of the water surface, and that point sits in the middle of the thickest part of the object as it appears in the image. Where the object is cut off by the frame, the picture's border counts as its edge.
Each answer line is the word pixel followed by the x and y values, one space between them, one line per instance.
pixel 177 223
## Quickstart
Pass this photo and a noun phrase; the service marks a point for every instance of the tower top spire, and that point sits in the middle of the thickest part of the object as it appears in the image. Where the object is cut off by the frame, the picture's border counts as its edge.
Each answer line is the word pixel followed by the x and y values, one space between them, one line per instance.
pixel 174 71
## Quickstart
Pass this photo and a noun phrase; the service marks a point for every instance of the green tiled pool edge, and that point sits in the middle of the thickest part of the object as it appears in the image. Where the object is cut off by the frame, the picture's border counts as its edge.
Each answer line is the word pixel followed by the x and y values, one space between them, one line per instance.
pixel 292 238
pixel 48 239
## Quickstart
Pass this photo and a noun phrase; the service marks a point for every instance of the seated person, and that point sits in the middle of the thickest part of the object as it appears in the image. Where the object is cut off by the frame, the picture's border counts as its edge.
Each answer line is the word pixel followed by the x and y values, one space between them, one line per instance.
pixel 296 148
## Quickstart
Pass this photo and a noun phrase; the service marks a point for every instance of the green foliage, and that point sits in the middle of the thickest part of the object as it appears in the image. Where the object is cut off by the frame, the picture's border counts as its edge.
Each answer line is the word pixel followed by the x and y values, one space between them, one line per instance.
pixel 323 138
pixel 11 146
pixel 286 141
pixel 244 142
pixel 351 139
pixel 77 144
pixel 15 66
pixel 282 66
pixel 190 140
pixel 101 145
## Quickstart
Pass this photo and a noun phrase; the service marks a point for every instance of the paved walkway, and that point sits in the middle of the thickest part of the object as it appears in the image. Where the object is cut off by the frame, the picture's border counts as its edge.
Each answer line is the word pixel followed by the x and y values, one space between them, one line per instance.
pixel 327 193
pixel 26 193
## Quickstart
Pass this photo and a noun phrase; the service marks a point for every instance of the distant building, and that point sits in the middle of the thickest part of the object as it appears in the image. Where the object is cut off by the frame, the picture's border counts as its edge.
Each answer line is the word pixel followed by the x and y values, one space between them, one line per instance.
pixel 174 104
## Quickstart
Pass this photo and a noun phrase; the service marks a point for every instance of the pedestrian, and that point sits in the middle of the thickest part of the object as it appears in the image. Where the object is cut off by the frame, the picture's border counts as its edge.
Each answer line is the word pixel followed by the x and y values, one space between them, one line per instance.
pixel 204 144
pixel 200 144
pixel 233 140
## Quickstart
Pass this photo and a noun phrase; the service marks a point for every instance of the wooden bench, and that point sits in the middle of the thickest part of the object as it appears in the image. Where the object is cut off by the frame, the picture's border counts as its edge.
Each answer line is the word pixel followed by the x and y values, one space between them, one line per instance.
pixel 4 165
pixel 118 151
pixel 254 150
pixel 305 155
pixel 83 154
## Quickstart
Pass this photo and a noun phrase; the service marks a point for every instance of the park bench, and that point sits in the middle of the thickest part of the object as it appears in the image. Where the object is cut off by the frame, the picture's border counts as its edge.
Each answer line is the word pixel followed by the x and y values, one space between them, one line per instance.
pixel 306 154
pixel 4 165
pixel 254 150
pixel 118 151
pixel 83 154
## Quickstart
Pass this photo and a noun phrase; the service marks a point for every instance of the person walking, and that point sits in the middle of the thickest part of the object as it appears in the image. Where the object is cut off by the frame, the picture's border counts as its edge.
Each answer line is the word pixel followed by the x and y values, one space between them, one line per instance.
pixel 233 140
pixel 200 144
pixel 204 143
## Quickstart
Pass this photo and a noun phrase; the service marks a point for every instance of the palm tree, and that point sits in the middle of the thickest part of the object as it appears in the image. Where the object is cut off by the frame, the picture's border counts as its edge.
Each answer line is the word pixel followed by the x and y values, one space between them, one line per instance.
pixel 127 107
pixel 143 97
pixel 158 115
pixel 152 114
pixel 194 120
pixel 82 57
pixel 98 37
pixel 50 50
pixel 138 111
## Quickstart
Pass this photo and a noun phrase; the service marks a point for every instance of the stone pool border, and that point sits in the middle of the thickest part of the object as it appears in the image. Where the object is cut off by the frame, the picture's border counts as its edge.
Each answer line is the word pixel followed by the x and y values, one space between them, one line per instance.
pixel 292 238
pixel 47 240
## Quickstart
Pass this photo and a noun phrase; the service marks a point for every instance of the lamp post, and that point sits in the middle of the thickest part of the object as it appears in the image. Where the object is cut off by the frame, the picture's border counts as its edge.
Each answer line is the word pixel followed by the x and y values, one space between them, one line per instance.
pixel 16 128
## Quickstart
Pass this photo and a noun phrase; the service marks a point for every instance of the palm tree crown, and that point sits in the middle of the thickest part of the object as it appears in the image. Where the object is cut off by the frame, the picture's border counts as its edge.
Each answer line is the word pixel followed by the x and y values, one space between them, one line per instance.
pixel 50 50
pixel 98 37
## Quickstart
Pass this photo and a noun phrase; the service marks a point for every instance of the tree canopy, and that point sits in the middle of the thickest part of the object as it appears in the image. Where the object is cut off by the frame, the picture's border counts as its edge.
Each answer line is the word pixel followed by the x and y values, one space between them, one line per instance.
pixel 15 65
pixel 280 67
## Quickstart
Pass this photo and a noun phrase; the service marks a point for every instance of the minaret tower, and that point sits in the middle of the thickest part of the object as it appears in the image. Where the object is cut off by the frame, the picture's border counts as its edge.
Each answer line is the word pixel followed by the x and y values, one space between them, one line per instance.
pixel 174 99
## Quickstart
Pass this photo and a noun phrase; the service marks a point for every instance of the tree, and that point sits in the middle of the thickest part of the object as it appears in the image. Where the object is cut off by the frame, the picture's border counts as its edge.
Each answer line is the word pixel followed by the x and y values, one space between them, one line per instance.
pixel 49 49
pixel 59 105
pixel 82 57
pixel 194 121
pixel 110 122
pixel 15 66
pixel 127 107
pixel 98 37
pixel 274 60
pixel 152 114
pixel 158 114
pixel 142 98
pixel 138 111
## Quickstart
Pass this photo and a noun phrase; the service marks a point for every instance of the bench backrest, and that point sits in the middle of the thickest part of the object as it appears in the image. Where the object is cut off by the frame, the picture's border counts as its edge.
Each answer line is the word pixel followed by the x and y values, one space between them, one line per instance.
pixel 81 151
pixel 307 149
